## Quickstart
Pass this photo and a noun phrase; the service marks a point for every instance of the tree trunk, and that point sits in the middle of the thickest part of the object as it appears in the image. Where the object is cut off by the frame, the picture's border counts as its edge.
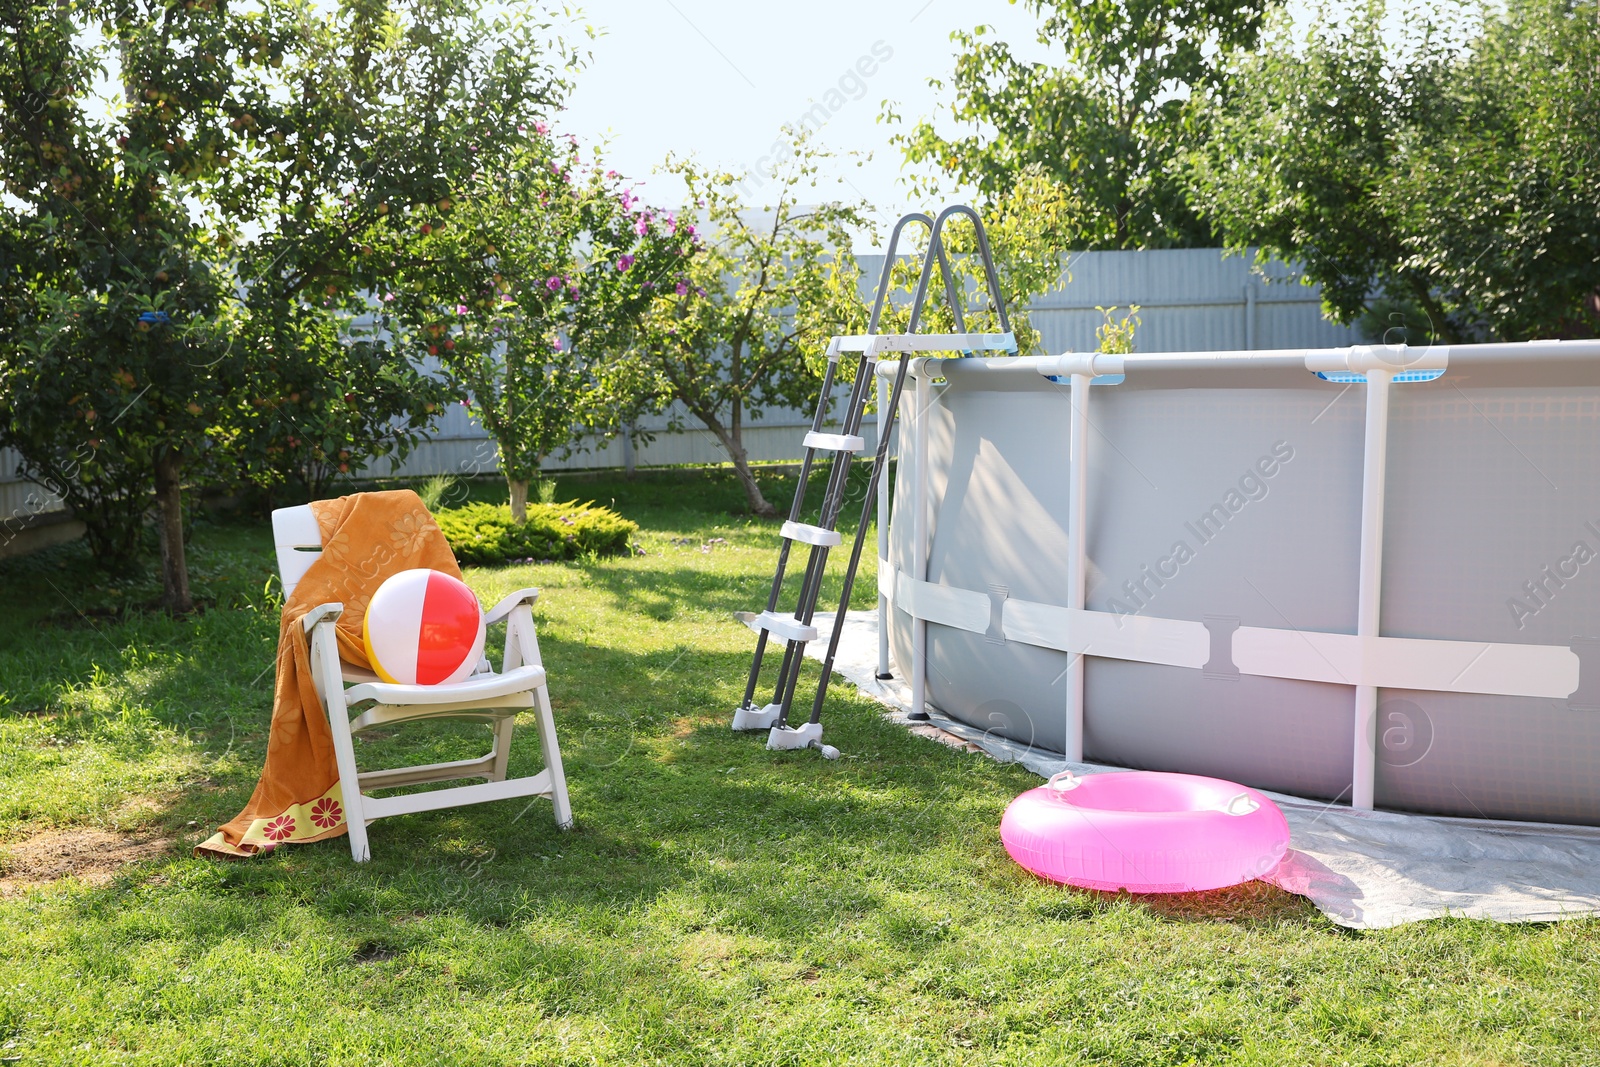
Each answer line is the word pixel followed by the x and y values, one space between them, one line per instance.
pixel 734 442
pixel 519 499
pixel 174 567
pixel 741 469
pixel 752 491
pixel 1443 329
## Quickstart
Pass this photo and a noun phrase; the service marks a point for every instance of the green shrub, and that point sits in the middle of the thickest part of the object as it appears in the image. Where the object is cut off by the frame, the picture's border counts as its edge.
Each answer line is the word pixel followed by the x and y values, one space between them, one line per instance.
pixel 483 534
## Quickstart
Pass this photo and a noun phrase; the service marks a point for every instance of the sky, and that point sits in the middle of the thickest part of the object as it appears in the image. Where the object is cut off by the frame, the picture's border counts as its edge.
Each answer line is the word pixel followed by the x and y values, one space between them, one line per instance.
pixel 720 78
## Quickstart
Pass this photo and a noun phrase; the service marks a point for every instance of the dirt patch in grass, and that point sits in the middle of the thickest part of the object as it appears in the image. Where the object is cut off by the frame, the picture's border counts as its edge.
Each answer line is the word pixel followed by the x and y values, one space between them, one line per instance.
pixel 373 952
pixel 95 856
pixel 1256 902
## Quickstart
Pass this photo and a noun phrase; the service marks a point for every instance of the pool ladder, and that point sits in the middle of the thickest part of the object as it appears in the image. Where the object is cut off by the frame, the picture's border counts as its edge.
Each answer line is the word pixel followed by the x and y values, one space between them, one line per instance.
pixel 796 628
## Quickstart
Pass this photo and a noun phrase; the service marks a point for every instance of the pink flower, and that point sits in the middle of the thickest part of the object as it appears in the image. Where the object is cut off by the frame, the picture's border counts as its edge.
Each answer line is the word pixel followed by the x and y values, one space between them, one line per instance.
pixel 683 290
pixel 326 812
pixel 625 262
pixel 612 174
pixel 642 227
pixel 541 127
pixel 672 224
pixel 555 346
pixel 461 309
pixel 280 828
pixel 388 298
pixel 553 284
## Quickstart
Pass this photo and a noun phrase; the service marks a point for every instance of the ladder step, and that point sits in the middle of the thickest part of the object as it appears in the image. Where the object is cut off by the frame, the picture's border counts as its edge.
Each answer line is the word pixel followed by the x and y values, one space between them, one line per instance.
pixel 811 535
pixel 835 442
pixel 785 626
pixel 930 342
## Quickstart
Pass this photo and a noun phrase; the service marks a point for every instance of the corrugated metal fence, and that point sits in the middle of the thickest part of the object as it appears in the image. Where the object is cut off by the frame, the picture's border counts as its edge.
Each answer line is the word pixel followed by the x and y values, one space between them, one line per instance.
pixel 1191 300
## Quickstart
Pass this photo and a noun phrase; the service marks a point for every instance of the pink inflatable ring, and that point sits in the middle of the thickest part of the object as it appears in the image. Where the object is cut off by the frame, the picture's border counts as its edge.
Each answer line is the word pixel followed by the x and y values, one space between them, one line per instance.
pixel 1145 831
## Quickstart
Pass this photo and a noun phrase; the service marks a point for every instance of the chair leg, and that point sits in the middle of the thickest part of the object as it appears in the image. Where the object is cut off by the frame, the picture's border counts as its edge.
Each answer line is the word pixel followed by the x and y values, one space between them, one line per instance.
pixel 552 761
pixel 502 748
pixel 326 675
pixel 522 646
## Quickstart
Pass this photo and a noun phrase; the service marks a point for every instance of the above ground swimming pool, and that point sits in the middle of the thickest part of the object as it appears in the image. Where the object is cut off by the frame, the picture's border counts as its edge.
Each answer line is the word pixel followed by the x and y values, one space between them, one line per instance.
pixel 1370 575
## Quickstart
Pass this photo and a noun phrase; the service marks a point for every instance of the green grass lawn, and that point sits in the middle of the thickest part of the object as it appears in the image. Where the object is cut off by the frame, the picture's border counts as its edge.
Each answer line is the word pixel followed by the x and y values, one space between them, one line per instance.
pixel 717 903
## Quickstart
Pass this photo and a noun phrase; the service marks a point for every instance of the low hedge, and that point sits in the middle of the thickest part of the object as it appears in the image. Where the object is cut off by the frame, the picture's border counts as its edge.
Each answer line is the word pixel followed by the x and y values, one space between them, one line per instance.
pixel 483 534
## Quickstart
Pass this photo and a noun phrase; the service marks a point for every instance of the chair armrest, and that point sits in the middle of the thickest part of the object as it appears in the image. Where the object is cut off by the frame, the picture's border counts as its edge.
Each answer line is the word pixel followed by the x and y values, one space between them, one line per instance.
pixel 499 612
pixel 321 613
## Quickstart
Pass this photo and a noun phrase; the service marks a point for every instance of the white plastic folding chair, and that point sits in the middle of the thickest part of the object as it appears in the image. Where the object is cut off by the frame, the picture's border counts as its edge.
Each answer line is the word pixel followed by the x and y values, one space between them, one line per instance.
pixel 486 696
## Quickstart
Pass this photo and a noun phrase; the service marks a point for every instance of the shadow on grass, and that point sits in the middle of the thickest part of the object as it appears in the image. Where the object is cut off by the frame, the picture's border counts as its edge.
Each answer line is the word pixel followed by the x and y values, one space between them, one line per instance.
pixel 669 801
pixel 674 810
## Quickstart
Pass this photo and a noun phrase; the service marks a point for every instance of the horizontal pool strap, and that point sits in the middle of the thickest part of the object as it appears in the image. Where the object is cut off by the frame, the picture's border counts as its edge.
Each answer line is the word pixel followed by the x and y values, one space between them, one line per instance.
pixel 1549 671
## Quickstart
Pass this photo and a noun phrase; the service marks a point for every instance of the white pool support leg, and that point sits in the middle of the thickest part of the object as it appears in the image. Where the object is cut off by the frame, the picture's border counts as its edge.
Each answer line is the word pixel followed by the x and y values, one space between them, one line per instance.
pixel 919 532
pixel 883 527
pixel 1374 467
pixel 1078 559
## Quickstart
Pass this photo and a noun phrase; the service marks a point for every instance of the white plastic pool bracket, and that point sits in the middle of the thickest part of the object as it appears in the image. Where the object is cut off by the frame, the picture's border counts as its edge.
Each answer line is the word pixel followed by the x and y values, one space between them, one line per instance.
pixel 1073 364
pixel 750 718
pixel 1392 359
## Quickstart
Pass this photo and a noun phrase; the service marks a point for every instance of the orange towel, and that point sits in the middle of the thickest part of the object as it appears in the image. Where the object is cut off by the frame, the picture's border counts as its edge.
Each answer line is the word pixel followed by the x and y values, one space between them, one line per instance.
pixel 365 538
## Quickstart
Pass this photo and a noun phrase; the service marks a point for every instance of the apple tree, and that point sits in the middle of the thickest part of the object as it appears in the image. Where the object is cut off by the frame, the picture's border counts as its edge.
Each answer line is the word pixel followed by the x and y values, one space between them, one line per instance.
pixel 527 284
pixel 743 328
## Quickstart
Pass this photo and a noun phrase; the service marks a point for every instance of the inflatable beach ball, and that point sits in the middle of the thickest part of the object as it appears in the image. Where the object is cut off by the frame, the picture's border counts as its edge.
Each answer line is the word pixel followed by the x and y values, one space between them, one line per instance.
pixel 423 627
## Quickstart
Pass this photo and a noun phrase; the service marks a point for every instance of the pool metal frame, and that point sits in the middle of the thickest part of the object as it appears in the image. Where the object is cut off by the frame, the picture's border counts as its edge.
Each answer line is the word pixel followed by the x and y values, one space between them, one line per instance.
pixel 1365 660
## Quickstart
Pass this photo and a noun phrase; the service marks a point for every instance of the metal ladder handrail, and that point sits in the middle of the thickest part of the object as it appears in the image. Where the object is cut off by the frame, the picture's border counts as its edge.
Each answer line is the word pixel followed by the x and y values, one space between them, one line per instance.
pixel 817 561
pixel 833 499
pixel 886 422
pixel 819 417
pixel 833 494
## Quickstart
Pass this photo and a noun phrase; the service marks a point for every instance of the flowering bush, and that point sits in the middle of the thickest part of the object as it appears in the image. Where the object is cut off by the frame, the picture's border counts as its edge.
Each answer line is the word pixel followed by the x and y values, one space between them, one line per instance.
pixel 485 534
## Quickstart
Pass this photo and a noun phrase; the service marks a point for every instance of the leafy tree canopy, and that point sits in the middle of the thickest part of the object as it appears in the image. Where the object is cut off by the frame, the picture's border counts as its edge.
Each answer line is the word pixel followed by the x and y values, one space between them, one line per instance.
pixel 181 259
pixel 1107 122
pixel 1451 185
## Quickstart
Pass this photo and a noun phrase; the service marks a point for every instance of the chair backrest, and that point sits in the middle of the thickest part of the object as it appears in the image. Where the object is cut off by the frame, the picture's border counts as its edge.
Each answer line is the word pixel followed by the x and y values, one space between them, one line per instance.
pixel 298 539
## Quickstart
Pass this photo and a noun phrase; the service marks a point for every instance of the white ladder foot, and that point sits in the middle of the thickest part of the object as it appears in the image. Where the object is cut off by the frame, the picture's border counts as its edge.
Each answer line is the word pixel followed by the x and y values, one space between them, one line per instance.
pixel 748 718
pixel 806 735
